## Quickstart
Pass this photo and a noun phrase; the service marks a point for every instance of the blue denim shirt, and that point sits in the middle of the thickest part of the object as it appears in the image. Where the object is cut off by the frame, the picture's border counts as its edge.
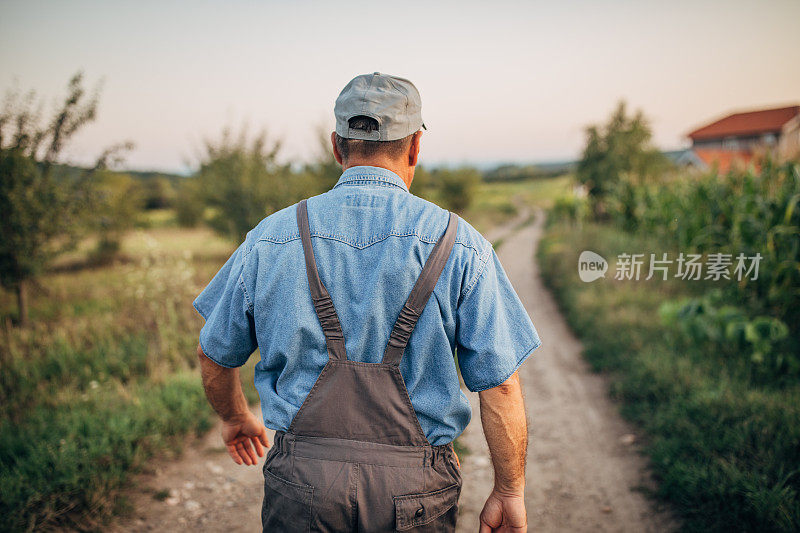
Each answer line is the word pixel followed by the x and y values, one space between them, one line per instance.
pixel 371 238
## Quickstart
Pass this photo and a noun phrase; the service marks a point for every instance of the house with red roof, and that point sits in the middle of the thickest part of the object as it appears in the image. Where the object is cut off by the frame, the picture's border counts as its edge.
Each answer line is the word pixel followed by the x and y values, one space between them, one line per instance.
pixel 741 139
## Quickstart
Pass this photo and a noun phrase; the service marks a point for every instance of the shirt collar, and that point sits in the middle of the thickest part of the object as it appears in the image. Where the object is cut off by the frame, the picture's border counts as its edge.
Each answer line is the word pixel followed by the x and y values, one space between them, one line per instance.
pixel 365 174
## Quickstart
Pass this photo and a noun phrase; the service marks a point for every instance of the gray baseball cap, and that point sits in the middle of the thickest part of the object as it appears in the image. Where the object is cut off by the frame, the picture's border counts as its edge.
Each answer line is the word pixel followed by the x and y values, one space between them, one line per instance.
pixel 394 102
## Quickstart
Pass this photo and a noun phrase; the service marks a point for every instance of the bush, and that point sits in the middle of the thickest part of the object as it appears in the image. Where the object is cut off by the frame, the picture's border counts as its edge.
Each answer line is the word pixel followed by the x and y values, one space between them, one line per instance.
pixel 159 192
pixel 104 252
pixel 241 180
pixel 571 208
pixel 754 346
pixel 456 188
pixel 424 185
pixel 119 202
pixel 189 207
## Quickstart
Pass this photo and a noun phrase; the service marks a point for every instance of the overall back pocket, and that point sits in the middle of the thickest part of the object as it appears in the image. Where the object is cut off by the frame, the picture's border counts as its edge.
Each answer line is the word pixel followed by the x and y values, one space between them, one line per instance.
pixel 433 511
pixel 287 505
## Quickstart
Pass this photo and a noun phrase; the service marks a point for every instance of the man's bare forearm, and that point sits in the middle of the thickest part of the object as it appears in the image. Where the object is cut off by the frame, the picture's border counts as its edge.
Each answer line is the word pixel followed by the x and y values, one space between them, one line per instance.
pixel 506 430
pixel 223 388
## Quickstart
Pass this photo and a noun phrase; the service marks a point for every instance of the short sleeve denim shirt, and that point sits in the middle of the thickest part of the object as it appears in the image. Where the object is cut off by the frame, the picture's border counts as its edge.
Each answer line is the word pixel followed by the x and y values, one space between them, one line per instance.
pixel 371 238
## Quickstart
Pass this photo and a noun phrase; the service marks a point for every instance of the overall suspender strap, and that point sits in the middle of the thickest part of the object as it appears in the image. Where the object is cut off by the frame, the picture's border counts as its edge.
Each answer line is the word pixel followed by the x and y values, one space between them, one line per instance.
pixel 323 305
pixel 420 294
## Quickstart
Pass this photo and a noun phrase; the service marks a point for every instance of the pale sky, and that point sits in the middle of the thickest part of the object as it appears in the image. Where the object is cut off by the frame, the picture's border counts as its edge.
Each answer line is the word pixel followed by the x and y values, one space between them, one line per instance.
pixel 500 81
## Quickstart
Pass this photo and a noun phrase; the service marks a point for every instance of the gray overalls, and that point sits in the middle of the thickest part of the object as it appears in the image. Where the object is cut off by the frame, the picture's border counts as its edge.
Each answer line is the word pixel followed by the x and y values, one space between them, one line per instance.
pixel 354 457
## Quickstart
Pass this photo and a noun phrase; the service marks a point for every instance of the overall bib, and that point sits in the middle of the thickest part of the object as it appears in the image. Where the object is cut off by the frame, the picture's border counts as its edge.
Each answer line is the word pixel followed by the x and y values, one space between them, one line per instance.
pixel 355 457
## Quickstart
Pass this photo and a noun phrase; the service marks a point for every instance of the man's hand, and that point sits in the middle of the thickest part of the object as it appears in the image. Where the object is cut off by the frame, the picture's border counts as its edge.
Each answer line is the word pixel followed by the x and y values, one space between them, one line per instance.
pixel 241 435
pixel 241 431
pixel 503 513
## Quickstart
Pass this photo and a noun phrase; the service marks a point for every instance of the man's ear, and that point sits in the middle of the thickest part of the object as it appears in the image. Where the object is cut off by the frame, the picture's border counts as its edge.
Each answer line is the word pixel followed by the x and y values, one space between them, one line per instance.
pixel 336 154
pixel 413 151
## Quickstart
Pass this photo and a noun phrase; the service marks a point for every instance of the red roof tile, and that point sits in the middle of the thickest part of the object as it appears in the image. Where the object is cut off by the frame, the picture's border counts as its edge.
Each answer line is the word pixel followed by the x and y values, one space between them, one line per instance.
pixel 725 159
pixel 749 123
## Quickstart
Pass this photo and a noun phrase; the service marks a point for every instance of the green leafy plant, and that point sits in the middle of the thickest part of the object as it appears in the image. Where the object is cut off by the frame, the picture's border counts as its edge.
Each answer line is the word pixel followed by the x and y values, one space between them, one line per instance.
pixel 570 208
pixel 710 326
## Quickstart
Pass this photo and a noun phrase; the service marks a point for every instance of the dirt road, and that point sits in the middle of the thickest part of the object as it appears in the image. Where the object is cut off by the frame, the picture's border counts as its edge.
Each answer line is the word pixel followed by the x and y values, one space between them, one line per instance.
pixel 584 467
pixel 583 464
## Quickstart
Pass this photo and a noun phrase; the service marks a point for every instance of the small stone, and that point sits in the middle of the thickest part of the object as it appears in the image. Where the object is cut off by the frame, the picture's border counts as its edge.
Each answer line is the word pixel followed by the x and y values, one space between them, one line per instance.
pixel 192 505
pixel 173 498
pixel 628 439
pixel 481 461
pixel 215 468
pixel 606 509
pixel 188 485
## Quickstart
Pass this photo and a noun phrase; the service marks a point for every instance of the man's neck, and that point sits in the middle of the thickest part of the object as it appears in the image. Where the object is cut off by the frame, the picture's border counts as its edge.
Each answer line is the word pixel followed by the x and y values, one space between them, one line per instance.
pixel 406 173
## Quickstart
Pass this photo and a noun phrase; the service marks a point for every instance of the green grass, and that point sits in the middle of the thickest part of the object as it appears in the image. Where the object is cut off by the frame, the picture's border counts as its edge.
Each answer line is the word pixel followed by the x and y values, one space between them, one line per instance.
pixel 73 452
pixel 104 378
pixel 725 450
pixel 157 218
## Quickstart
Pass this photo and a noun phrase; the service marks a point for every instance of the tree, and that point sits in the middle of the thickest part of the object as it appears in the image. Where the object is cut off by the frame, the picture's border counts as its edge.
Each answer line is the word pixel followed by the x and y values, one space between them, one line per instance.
pixel 621 149
pixel 44 209
pixel 242 181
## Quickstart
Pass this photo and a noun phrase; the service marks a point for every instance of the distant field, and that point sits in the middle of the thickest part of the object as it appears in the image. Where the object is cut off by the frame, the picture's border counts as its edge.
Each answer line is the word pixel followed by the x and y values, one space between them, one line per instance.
pixel 496 203
pixel 105 377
